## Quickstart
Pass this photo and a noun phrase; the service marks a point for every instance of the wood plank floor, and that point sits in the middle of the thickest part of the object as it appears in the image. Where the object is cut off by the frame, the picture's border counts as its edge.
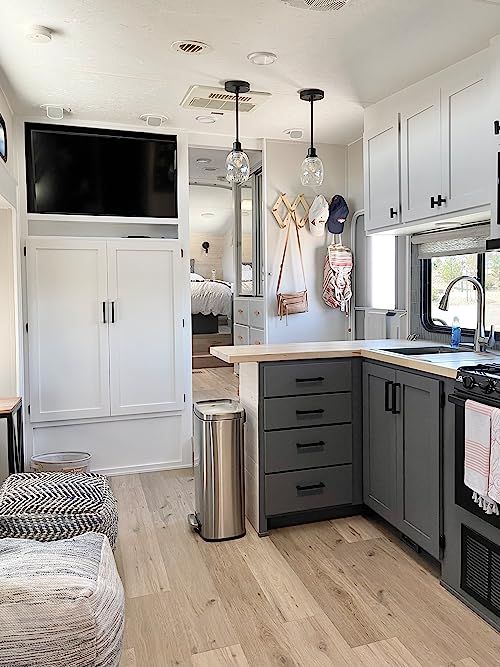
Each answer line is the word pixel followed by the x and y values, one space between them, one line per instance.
pixel 343 592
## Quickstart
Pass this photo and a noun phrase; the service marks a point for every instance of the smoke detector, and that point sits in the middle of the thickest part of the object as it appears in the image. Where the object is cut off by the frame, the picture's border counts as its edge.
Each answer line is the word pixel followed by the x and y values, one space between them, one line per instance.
pixel 55 111
pixel 217 99
pixel 190 47
pixel 153 120
pixel 39 34
pixel 318 5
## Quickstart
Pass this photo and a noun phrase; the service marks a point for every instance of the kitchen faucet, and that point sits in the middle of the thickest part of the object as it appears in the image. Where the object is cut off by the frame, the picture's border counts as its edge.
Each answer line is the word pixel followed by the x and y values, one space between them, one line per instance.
pixel 481 342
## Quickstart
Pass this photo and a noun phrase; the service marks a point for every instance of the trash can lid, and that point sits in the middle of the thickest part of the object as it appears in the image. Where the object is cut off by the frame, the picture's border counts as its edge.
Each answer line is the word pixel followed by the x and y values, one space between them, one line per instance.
pixel 221 408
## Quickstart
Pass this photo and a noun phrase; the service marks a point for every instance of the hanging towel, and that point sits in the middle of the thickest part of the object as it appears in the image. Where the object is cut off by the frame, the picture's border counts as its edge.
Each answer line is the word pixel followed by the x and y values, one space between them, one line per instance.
pixel 494 477
pixel 478 419
pixel 337 292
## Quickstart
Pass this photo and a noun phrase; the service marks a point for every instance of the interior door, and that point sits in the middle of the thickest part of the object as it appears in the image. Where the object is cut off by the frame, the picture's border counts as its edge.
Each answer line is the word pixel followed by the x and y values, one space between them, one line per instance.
pixel 145 326
pixel 466 132
pixel 381 173
pixel 421 153
pixel 68 333
pixel 419 436
pixel 379 441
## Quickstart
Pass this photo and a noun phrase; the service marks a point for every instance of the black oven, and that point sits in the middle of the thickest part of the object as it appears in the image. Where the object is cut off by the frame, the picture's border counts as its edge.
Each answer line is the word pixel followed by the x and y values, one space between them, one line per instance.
pixel 463 495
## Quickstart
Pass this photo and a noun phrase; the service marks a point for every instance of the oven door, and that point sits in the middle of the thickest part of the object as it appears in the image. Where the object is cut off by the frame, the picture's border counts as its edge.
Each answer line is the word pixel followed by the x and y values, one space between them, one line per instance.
pixel 463 495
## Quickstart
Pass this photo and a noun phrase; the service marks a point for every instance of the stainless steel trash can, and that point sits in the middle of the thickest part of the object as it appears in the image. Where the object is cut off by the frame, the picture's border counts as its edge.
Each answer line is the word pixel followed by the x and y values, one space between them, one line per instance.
pixel 218 470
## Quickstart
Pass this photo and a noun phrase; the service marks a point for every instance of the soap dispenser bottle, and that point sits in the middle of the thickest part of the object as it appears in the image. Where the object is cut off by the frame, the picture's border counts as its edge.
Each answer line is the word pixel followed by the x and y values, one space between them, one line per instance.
pixel 456 333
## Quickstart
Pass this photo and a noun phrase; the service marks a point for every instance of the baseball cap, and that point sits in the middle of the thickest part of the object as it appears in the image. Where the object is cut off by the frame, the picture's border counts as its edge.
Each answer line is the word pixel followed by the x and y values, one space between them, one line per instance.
pixel 339 212
pixel 318 215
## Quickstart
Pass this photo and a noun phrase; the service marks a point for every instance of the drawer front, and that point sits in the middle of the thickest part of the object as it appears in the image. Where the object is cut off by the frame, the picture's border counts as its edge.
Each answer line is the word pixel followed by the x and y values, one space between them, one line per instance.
pixel 318 377
pixel 241 335
pixel 256 314
pixel 256 336
pixel 240 311
pixel 308 448
pixel 308 489
pixel 297 411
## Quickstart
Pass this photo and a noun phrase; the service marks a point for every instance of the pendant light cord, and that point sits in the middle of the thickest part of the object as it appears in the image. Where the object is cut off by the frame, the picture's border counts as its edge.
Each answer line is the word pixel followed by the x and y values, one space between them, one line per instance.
pixel 312 124
pixel 237 116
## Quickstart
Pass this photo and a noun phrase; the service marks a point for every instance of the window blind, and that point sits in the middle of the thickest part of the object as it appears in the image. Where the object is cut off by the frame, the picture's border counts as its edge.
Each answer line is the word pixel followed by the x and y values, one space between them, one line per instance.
pixel 463 241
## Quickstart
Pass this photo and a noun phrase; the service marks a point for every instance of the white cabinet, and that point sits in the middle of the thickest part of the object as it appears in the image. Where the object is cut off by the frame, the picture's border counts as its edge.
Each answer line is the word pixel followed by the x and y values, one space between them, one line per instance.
pixel 241 311
pixel 249 321
pixel 105 334
pixel 241 334
pixel 381 154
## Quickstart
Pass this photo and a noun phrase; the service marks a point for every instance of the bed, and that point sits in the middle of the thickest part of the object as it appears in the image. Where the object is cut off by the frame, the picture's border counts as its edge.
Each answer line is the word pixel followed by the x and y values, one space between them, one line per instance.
pixel 210 299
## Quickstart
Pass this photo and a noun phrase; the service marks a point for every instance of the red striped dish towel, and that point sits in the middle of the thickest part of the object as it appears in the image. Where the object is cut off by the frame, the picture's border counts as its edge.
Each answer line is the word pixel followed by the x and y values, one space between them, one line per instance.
pixel 478 418
pixel 494 481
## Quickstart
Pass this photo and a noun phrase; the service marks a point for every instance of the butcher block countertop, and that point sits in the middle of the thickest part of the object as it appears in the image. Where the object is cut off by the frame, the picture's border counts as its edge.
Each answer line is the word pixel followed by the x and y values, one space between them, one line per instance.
pixel 444 364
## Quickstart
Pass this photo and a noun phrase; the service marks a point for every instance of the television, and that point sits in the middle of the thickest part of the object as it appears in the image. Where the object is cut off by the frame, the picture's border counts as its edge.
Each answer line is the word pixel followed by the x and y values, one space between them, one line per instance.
pixel 88 171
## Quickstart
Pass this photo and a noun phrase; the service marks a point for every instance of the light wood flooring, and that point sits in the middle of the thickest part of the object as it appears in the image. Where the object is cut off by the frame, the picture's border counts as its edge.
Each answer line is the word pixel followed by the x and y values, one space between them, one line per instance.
pixel 343 592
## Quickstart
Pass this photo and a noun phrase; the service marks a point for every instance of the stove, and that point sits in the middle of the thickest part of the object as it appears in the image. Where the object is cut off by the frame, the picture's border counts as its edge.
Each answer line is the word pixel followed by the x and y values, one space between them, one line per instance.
pixel 480 381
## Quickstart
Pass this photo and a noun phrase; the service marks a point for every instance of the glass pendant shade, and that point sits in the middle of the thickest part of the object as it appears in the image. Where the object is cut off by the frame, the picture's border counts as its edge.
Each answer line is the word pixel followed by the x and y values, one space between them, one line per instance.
pixel 311 171
pixel 237 166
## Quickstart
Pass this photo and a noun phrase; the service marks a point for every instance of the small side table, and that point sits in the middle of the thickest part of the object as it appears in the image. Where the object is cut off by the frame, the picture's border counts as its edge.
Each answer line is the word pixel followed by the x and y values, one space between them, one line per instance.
pixel 11 409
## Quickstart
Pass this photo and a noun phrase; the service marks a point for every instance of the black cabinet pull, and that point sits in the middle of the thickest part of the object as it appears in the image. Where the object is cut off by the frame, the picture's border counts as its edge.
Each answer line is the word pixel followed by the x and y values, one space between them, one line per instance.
pixel 396 398
pixel 310 487
pixel 388 385
pixel 306 445
pixel 112 312
pixel 434 202
pixel 441 200
pixel 318 379
pixel 393 212
pixel 104 321
pixel 496 127
pixel 309 412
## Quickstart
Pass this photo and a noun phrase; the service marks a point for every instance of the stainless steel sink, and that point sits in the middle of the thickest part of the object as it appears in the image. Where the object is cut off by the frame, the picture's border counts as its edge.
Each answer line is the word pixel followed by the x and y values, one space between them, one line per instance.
pixel 416 351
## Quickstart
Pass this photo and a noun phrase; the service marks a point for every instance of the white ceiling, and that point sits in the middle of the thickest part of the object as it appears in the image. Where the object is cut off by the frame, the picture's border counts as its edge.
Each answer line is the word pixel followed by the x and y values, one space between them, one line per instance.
pixel 213 200
pixel 110 60
pixel 215 170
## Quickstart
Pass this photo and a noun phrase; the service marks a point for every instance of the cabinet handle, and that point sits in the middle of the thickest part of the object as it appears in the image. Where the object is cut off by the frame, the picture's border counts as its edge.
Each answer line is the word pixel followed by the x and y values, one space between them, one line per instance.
pixel 309 412
pixel 240 310
pixel 256 312
pixel 318 379
pixel 434 202
pixel 496 127
pixel 310 487
pixel 388 385
pixel 104 319
pixel 441 200
pixel 306 445
pixel 396 398
pixel 393 213
pixel 112 312
pixel 240 337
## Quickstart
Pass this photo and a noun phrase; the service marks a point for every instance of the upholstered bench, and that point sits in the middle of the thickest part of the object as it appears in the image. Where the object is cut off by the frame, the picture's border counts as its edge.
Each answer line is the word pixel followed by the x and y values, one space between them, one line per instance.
pixel 61 603
pixel 48 506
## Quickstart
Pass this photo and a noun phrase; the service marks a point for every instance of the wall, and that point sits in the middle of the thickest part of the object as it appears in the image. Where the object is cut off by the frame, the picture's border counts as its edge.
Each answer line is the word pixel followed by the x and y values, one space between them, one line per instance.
pixel 355 195
pixel 282 167
pixel 205 262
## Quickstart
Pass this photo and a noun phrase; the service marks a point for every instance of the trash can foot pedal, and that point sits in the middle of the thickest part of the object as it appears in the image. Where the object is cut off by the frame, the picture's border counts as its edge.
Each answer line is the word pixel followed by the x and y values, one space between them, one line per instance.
pixel 193 522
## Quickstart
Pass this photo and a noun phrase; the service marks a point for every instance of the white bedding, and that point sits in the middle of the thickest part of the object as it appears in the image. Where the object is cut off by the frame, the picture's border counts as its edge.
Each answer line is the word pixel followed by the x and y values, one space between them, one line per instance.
pixel 211 298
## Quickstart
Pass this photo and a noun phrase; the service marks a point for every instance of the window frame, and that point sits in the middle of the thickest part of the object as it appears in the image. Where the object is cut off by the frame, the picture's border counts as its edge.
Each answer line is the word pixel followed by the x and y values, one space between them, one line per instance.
pixel 426 295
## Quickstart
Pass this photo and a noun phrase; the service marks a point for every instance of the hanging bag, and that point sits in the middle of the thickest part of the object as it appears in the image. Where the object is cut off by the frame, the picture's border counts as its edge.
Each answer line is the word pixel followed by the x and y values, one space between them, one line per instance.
pixel 337 290
pixel 291 302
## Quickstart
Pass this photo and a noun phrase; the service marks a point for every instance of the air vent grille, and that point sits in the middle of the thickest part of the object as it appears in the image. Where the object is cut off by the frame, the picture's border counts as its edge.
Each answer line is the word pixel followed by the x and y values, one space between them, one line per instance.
pixel 318 5
pixel 218 100
pixel 190 47
pixel 480 571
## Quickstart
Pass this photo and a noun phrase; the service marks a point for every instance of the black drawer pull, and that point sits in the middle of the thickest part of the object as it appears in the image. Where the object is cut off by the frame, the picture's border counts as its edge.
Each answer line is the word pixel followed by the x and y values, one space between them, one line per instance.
pixel 310 487
pixel 318 379
pixel 300 445
pixel 309 412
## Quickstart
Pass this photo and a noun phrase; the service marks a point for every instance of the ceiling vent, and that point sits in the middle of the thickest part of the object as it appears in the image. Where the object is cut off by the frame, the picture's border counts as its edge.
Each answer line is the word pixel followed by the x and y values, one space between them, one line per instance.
pixel 190 47
pixel 318 5
pixel 218 100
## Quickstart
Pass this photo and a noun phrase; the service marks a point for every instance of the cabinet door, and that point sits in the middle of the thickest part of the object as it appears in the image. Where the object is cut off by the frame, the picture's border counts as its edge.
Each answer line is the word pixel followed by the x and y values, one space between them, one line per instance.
pixel 419 459
pixel 466 132
pixel 421 152
pixel 68 335
pixel 381 175
pixel 379 442
pixel 145 330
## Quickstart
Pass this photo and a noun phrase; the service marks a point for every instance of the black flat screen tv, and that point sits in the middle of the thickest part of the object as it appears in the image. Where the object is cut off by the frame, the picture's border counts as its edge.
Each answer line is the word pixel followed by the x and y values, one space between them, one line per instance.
pixel 88 171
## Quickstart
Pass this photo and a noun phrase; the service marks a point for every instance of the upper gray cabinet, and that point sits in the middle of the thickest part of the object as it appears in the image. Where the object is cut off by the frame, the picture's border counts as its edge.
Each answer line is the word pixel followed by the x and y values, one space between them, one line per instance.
pixel 426 151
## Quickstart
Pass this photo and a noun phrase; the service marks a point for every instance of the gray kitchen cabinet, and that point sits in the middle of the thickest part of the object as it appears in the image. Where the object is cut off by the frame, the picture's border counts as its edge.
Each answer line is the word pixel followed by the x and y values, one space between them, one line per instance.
pixel 401 452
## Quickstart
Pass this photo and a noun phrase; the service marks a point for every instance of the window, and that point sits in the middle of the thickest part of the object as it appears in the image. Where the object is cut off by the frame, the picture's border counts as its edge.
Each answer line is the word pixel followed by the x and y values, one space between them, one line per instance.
pixel 436 275
pixel 382 280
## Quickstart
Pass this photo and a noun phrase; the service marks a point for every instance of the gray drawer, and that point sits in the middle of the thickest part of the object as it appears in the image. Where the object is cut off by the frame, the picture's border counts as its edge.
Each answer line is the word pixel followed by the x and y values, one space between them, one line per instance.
pixel 299 411
pixel 308 448
pixel 308 489
pixel 307 377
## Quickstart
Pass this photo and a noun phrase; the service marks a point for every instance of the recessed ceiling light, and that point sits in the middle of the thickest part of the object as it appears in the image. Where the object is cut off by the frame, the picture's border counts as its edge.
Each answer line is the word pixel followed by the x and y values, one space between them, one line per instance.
pixel 39 34
pixel 205 119
pixel 153 119
pixel 210 168
pixel 55 111
pixel 191 47
pixel 294 133
pixel 207 215
pixel 262 58
pixel 203 160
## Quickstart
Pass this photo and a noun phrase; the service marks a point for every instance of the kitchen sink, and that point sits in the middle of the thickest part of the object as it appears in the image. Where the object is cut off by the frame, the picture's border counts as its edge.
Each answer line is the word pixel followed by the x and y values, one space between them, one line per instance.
pixel 416 351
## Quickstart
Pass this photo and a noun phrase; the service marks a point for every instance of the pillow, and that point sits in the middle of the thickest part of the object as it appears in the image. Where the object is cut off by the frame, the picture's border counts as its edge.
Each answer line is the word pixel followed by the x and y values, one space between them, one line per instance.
pixel 196 276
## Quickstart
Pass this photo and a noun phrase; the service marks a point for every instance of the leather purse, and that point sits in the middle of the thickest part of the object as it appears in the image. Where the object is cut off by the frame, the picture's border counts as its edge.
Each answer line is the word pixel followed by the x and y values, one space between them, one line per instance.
pixel 290 303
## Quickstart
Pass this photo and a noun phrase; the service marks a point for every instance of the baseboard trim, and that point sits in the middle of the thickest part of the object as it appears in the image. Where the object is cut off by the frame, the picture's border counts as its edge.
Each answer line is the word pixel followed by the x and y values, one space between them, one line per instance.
pixel 145 467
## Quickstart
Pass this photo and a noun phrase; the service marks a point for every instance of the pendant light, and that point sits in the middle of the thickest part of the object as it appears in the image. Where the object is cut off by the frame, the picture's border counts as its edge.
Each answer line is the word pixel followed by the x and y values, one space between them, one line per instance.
pixel 237 162
pixel 311 171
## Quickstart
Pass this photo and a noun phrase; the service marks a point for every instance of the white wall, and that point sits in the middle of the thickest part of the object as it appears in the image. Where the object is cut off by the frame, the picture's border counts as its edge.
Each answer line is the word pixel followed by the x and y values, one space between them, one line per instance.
pixel 355 195
pixel 282 167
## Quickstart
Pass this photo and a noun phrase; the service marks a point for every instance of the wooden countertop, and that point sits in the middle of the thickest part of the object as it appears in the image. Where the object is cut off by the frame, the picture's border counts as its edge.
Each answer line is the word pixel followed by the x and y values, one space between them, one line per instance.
pixel 8 405
pixel 444 364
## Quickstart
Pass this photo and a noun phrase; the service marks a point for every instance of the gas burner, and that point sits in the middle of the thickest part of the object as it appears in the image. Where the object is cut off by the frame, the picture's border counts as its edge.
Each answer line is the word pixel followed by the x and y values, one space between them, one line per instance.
pixel 479 379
